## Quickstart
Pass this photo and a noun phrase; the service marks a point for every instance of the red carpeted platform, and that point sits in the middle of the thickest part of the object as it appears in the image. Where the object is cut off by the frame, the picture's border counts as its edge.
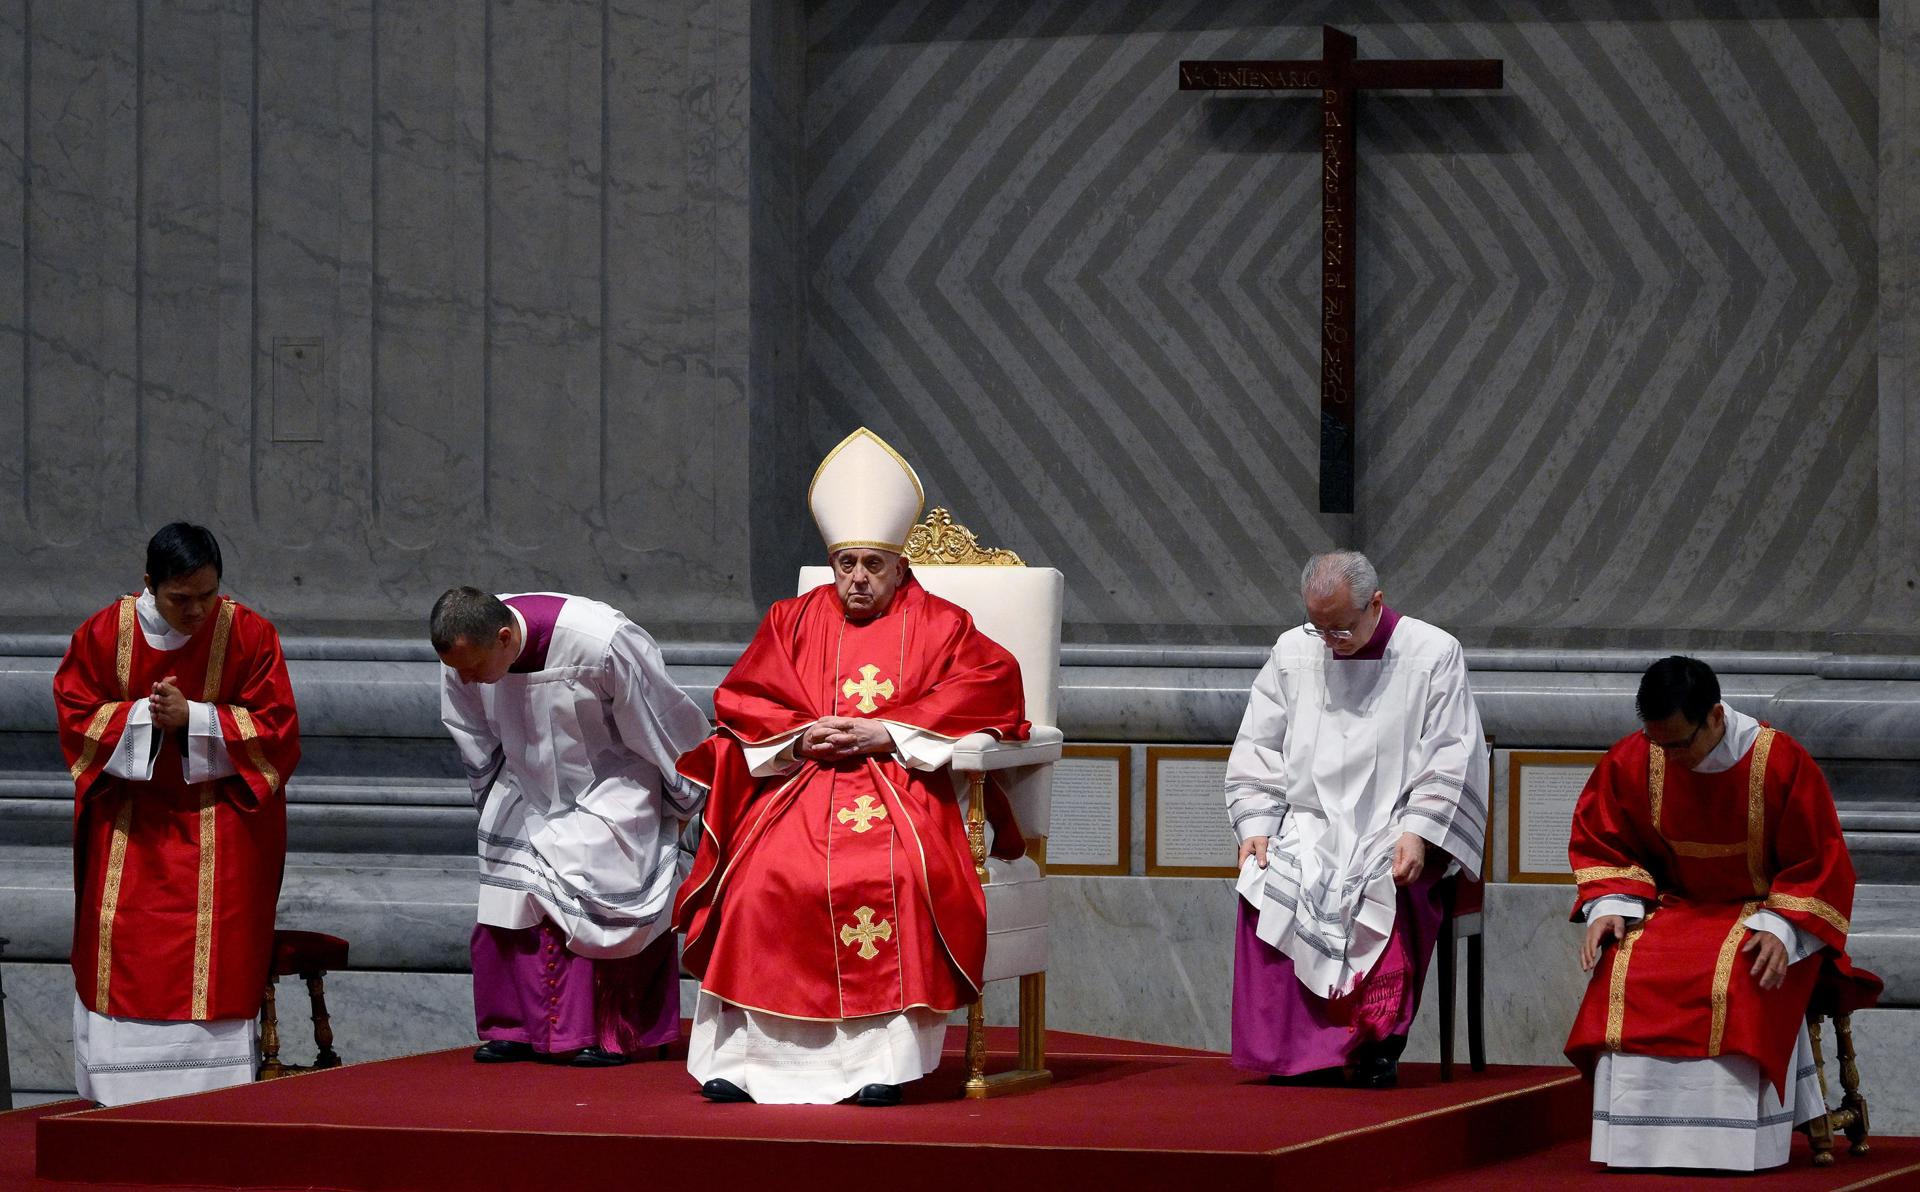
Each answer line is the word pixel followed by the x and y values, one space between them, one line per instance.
pixel 1120 1115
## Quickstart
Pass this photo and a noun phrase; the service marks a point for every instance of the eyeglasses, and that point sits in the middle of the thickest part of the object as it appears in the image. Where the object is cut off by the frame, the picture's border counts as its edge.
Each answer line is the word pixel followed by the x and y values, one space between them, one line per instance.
pixel 1332 635
pixel 1674 746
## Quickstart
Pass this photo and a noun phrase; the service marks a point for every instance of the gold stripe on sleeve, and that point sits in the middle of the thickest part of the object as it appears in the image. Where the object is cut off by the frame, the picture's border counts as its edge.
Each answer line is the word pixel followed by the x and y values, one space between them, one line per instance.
pixel 1812 906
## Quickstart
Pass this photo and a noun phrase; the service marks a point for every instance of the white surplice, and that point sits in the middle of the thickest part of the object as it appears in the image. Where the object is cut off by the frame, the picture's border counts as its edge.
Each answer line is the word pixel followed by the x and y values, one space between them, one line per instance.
pixel 1336 758
pixel 793 1061
pixel 573 769
pixel 117 1060
pixel 1716 1112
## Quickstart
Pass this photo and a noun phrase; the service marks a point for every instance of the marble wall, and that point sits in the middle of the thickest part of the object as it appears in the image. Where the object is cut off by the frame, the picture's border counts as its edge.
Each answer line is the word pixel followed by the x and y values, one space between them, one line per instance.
pixel 1618 321
pixel 571 295
pixel 390 295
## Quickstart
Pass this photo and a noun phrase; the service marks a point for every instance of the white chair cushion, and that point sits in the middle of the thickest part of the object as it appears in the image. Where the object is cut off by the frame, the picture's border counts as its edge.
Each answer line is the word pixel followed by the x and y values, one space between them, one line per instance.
pixel 1019 607
pixel 984 751
pixel 1016 919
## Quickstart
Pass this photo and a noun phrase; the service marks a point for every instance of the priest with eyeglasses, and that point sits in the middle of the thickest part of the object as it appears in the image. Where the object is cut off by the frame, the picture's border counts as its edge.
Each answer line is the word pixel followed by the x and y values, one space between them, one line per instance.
pixel 1358 780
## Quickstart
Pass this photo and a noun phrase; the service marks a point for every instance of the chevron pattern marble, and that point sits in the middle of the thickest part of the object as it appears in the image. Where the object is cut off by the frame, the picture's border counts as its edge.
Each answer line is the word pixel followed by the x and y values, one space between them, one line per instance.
pixel 1617 321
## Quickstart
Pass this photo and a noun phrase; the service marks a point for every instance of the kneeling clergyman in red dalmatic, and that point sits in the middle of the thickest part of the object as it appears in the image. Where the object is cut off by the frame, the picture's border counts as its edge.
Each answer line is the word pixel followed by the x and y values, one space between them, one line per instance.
pixel 1709 856
pixel 177 721
pixel 833 915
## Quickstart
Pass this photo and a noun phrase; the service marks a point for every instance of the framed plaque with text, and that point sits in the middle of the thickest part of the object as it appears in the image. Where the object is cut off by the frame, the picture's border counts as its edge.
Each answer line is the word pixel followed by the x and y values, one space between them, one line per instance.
pixel 1187 830
pixel 1091 831
pixel 1542 789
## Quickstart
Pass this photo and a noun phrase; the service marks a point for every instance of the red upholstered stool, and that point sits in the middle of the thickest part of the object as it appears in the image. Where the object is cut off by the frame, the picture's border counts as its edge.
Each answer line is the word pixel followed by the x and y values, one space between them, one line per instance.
pixel 309 955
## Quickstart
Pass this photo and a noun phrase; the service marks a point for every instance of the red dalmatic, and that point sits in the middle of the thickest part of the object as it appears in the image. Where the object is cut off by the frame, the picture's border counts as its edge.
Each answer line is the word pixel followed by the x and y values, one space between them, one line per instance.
pixel 175 884
pixel 1710 850
pixel 846 889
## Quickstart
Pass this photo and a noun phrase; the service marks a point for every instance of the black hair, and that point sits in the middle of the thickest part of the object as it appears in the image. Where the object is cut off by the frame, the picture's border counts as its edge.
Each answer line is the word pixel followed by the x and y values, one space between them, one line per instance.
pixel 466 614
pixel 1677 684
pixel 180 548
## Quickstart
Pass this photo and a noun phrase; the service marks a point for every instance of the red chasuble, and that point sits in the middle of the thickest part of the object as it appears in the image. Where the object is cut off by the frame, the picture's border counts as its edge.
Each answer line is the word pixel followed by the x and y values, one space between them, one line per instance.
pixel 1710 850
pixel 175 884
pixel 846 889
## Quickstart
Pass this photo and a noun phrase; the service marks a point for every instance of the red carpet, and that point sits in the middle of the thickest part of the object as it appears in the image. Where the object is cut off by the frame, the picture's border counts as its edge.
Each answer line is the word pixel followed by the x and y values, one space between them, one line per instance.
pixel 1120 1115
pixel 1893 1164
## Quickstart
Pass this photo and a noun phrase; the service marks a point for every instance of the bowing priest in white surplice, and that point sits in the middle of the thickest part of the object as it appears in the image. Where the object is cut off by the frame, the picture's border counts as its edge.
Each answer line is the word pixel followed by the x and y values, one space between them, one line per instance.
pixel 1357 781
pixel 569 727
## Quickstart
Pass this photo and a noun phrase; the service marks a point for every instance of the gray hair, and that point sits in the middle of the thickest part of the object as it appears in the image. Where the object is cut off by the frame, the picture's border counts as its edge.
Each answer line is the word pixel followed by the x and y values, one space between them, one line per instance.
pixel 1326 572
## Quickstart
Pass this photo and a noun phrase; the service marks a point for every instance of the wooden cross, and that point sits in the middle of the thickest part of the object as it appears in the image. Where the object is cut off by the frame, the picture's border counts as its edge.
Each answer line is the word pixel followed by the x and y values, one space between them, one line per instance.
pixel 866 933
pixel 866 688
pixel 1337 76
pixel 862 813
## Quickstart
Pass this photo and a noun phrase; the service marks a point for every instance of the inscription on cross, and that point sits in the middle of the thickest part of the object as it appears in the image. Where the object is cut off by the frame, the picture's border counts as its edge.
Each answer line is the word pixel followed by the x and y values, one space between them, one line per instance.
pixel 1338 76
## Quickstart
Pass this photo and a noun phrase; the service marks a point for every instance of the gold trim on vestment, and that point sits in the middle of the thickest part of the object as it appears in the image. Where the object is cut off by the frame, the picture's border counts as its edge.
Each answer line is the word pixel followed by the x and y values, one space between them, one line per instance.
pixel 1757 812
pixel 1656 783
pixel 96 729
pixel 1812 906
pixel 203 916
pixel 243 720
pixel 1690 848
pixel 217 657
pixel 1617 986
pixel 110 901
pixel 123 647
pixel 1723 976
pixel 1607 873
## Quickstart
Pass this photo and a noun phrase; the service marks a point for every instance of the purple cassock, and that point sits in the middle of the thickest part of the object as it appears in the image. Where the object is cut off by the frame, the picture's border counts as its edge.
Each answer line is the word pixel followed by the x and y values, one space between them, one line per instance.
pixel 528 988
pixel 1283 1029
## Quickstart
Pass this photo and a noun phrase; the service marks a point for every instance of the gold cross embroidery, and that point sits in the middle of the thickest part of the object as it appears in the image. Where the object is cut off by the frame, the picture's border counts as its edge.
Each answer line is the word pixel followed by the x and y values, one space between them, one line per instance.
pixel 862 811
pixel 866 688
pixel 867 932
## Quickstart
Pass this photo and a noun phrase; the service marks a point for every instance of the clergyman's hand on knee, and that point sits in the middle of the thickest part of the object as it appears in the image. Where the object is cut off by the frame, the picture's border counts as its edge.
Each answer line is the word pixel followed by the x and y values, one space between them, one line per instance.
pixel 1253 846
pixel 1601 930
pixel 1770 960
pixel 1409 858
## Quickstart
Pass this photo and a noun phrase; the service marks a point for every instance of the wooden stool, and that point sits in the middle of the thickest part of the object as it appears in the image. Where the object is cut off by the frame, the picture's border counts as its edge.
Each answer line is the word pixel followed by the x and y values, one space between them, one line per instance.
pixel 1851 1118
pixel 310 955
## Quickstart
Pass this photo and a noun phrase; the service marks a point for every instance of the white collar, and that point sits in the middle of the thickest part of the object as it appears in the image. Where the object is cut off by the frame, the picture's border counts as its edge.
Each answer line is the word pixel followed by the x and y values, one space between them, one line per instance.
pixel 1741 732
pixel 154 627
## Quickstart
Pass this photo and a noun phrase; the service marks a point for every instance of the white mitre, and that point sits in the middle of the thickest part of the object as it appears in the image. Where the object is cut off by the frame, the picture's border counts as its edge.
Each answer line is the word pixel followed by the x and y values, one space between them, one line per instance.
pixel 864 494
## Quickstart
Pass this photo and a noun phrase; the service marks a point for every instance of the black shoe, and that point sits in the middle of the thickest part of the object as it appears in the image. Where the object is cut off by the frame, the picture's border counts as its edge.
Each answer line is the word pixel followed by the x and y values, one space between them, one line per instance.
pixel 1319 1078
pixel 1377 1072
pixel 723 1092
pixel 878 1095
pixel 502 1051
pixel 596 1057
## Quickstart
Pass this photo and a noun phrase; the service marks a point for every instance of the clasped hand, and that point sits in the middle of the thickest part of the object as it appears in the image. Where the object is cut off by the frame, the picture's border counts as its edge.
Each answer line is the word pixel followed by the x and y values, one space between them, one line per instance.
pixel 834 738
pixel 168 704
